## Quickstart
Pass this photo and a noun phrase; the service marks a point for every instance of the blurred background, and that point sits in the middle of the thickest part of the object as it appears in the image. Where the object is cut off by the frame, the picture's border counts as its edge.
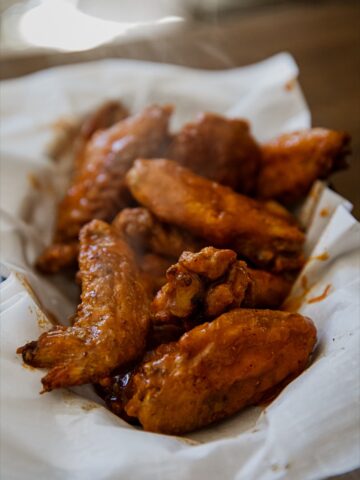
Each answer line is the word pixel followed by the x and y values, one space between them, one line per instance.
pixel 322 35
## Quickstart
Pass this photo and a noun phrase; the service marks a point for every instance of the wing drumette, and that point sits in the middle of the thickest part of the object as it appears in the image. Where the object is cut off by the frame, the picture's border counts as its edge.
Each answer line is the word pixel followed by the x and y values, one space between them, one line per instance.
pixel 112 320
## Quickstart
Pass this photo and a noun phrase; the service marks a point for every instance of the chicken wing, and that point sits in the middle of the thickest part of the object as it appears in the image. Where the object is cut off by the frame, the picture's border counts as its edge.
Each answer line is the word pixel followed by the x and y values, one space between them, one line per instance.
pixel 112 320
pixel 220 149
pixel 206 284
pixel 218 368
pixel 103 117
pixel 98 189
pixel 145 233
pixel 292 162
pixel 216 213
pixel 73 136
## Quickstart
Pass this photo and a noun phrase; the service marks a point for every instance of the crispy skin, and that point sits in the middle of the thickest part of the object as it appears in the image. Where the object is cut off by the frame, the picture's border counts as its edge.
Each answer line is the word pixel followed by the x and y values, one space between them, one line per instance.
pixel 112 320
pixel 206 284
pixel 216 213
pixel 145 233
pixel 292 162
pixel 218 368
pixel 220 149
pixel 98 189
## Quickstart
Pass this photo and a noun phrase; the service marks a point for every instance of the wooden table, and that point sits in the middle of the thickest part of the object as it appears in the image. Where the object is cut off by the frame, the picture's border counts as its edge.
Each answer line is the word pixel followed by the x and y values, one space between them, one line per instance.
pixel 323 36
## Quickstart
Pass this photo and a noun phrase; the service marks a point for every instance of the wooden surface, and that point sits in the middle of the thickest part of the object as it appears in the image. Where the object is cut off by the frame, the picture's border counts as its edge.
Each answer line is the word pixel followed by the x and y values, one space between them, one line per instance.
pixel 323 36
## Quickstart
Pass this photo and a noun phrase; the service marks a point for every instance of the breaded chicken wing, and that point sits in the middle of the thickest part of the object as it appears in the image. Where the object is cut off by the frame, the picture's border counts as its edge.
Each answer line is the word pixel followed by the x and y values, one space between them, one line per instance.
pixel 218 368
pixel 145 233
pixel 293 161
pixel 98 189
pixel 112 320
pixel 206 284
pixel 220 149
pixel 216 214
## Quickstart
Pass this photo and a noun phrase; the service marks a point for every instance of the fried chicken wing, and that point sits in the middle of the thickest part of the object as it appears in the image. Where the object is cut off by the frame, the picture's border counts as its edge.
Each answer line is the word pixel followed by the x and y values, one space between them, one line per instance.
pixel 73 135
pixel 112 320
pixel 98 189
pixel 105 116
pixel 145 233
pixel 292 162
pixel 218 368
pixel 216 213
pixel 205 284
pixel 220 149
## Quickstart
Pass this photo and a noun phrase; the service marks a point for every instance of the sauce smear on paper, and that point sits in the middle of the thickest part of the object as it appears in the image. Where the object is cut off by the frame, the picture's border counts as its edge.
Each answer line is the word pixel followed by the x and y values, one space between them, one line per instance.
pixel 322 296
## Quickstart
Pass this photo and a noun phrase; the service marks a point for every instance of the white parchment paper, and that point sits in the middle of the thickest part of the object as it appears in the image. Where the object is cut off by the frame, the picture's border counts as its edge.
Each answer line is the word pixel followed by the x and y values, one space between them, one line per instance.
pixel 310 431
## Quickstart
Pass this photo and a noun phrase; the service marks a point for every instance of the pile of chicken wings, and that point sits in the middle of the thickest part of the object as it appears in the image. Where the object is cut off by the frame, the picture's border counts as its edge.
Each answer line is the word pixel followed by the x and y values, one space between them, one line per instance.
pixel 185 250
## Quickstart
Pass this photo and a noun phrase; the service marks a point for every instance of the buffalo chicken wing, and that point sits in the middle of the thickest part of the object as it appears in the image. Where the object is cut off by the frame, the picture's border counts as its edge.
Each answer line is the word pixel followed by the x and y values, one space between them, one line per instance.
pixel 216 213
pixel 220 149
pixel 111 322
pixel 218 368
pixel 293 161
pixel 98 189
pixel 206 284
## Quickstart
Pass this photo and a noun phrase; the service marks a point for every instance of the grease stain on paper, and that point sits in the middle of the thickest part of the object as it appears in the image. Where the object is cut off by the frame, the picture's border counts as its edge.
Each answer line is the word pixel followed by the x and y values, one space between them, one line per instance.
pixel 290 85
pixel 72 400
pixel 322 257
pixel 324 212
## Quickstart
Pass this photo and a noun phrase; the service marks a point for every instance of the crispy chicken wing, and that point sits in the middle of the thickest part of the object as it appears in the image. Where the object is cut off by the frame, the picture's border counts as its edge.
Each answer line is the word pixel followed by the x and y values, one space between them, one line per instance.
pixel 218 368
pixel 98 189
pixel 292 162
pixel 145 233
pixel 206 284
pixel 220 149
pixel 112 320
pixel 216 213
